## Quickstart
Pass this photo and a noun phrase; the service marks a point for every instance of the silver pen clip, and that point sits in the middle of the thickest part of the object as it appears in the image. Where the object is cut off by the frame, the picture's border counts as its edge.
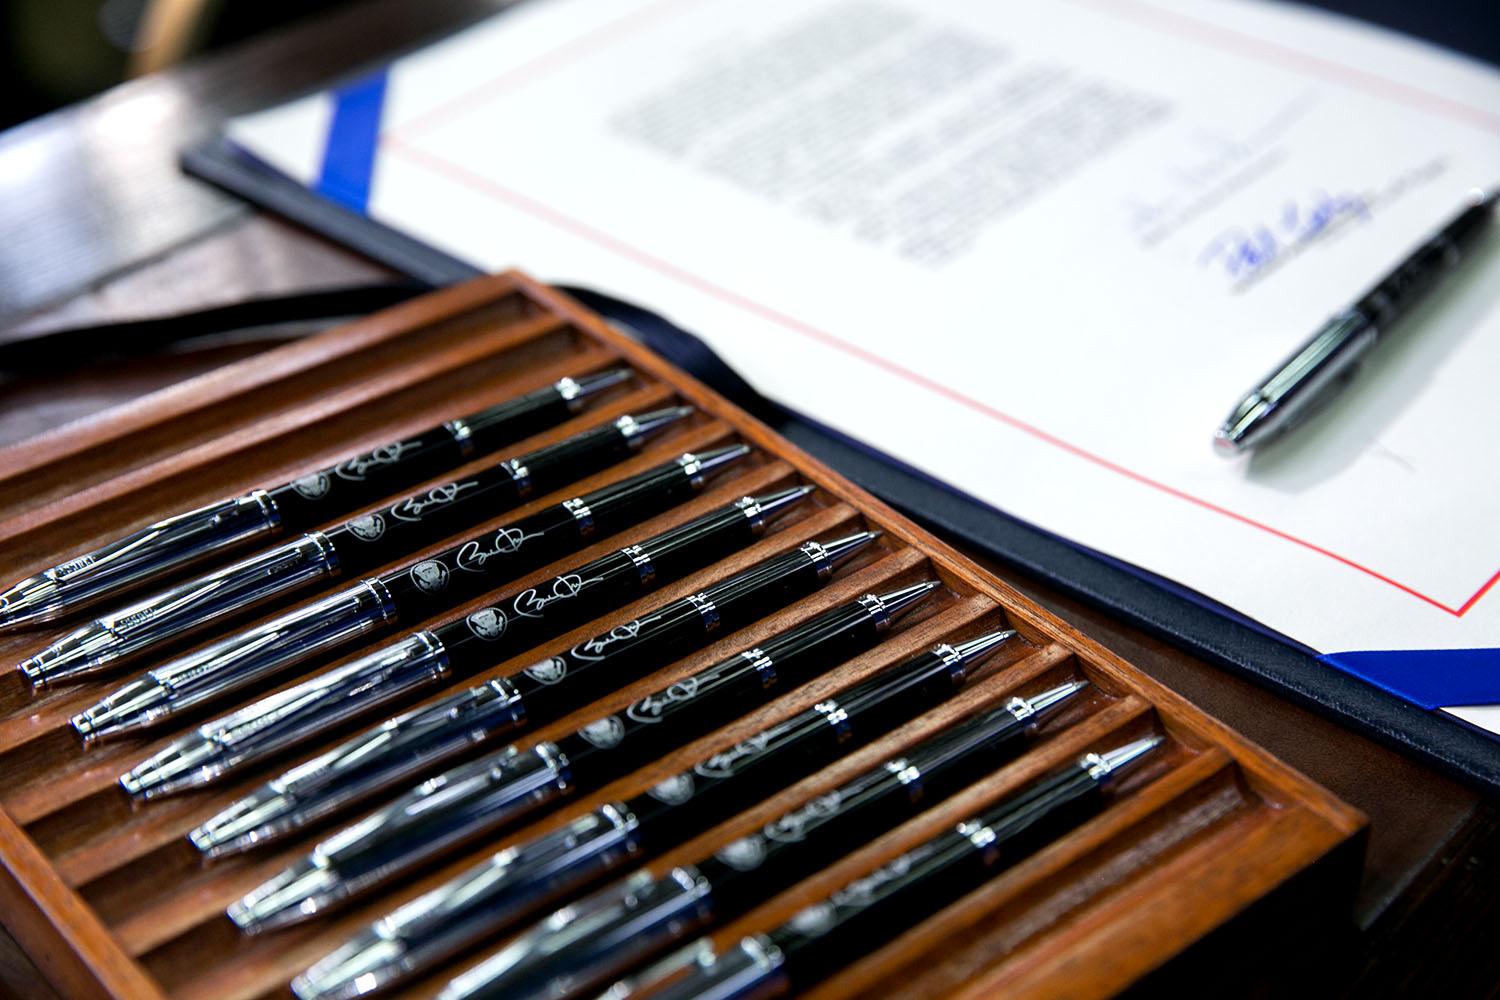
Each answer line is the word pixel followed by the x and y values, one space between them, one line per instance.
pixel 485 898
pixel 183 609
pixel 355 769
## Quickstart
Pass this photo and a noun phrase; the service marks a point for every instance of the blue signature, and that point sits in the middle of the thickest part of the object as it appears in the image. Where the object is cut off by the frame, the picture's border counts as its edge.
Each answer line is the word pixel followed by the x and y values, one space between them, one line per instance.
pixel 1243 253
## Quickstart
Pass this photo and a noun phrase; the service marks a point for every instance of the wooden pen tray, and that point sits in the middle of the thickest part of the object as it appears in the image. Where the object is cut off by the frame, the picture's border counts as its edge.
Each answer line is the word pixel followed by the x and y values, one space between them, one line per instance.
pixel 111 900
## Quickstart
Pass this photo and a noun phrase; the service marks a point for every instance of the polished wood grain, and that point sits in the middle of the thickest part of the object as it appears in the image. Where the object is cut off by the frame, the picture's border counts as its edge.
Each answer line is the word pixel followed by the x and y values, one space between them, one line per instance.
pixel 135 913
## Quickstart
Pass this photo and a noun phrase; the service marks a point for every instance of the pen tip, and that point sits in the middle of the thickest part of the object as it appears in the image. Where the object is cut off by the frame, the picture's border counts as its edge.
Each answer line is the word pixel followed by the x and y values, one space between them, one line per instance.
pixel 898 602
pixel 976 649
pixel 841 550
pixel 1225 443
pixel 1052 697
pixel 772 505
pixel 638 427
pixel 712 461
pixel 597 382
pixel 1101 765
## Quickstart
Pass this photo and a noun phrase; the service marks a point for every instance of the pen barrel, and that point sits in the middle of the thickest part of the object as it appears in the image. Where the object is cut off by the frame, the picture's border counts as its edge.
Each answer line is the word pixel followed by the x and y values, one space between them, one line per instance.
pixel 440 510
pixel 567 461
pixel 615 744
pixel 893 697
pixel 482 562
pixel 243 659
pixel 499 425
pixel 521 619
pixel 871 910
pixel 601 664
pixel 444 812
pixel 1415 276
pixel 377 537
pixel 631 501
pixel 719 785
pixel 800 842
pixel 363 479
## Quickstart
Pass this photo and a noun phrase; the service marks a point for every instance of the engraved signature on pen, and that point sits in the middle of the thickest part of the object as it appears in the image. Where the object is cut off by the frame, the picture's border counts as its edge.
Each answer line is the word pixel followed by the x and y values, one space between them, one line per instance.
pixel 413 507
pixel 507 541
pixel 793 826
pixel 1244 253
pixel 652 707
pixel 531 603
pixel 387 454
pixel 595 648
pixel 819 918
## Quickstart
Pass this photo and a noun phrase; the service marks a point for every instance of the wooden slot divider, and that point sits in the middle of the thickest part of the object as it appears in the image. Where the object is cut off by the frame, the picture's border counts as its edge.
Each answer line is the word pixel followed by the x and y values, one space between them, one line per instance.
pixel 111 901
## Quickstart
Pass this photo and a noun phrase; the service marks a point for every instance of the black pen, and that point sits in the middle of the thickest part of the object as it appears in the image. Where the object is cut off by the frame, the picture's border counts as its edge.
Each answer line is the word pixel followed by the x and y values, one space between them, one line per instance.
pixel 628 922
pixel 423 588
pixel 421 740
pixel 159 549
pixel 520 879
pixel 429 657
pixel 1326 361
pixel 356 546
pixel 873 909
pixel 499 788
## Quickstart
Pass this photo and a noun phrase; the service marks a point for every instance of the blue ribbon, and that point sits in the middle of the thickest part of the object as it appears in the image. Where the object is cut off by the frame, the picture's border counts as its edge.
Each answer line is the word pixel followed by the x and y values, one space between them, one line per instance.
pixel 1432 678
pixel 349 156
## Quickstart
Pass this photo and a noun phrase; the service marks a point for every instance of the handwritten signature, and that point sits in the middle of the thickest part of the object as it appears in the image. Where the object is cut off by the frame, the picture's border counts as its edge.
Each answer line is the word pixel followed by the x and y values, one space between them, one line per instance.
pixel 413 507
pixel 531 603
pixel 507 541
pixel 1245 253
pixel 595 648
pixel 723 763
pixel 387 454
pixel 794 825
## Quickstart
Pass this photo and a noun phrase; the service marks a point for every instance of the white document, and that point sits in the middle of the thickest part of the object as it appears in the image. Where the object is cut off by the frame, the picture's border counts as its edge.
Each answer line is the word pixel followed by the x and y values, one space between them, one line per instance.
pixel 1069 235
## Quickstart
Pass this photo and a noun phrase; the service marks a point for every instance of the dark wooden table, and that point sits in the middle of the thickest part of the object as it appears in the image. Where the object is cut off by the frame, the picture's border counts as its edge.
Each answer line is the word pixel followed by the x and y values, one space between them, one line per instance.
pixel 101 226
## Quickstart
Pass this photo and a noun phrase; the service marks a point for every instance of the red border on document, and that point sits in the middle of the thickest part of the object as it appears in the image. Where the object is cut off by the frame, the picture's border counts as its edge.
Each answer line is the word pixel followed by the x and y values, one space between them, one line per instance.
pixel 1163 20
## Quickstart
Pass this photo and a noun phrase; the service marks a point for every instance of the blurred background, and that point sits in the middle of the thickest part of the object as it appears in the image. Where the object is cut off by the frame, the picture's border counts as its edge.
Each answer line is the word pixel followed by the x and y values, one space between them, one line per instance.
pixel 55 52
pixel 59 51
